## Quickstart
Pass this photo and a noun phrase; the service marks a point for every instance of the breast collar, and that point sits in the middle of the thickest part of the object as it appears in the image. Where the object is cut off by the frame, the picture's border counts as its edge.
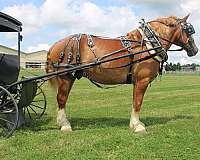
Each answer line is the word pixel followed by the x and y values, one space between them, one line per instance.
pixel 151 41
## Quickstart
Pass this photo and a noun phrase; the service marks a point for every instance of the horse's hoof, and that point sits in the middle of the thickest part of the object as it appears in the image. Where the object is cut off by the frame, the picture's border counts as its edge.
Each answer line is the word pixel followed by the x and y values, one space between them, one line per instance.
pixel 66 129
pixel 140 129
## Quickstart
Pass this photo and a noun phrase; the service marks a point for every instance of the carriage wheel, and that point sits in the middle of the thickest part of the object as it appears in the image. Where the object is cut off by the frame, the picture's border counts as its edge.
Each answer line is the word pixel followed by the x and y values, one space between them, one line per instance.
pixel 37 107
pixel 8 113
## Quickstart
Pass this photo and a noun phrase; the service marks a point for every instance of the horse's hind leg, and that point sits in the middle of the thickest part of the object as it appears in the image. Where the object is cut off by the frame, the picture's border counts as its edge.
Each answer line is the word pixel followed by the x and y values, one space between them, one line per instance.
pixel 64 87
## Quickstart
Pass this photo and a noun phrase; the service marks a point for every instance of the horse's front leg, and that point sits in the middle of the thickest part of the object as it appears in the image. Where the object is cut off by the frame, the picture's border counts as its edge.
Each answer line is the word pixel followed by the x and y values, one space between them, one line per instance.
pixel 62 96
pixel 139 90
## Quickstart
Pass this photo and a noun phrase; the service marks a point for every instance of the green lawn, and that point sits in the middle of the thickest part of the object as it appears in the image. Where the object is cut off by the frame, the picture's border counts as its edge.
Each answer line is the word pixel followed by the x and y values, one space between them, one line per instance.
pixel 100 119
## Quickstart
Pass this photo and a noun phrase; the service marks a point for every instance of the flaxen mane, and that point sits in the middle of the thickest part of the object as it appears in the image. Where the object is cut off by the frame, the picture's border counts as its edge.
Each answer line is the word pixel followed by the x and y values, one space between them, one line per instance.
pixel 168 21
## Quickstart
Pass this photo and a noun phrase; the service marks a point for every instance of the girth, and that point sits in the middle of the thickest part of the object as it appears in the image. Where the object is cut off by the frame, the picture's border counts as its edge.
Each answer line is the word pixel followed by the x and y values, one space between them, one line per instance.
pixel 127 44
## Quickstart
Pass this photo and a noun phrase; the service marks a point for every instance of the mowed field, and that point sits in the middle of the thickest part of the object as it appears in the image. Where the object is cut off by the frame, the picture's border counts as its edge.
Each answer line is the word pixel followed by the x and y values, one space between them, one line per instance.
pixel 100 120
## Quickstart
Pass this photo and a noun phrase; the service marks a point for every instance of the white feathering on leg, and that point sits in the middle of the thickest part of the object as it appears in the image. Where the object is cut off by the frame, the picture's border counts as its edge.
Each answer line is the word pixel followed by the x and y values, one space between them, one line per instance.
pixel 62 121
pixel 136 124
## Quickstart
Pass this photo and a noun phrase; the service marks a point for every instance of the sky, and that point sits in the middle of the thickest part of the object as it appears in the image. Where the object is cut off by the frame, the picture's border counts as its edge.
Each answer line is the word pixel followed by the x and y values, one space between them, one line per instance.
pixel 47 21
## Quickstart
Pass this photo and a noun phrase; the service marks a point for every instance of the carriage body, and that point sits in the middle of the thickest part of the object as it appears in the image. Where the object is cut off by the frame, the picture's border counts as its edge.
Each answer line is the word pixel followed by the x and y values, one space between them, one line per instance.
pixel 10 63
pixel 16 97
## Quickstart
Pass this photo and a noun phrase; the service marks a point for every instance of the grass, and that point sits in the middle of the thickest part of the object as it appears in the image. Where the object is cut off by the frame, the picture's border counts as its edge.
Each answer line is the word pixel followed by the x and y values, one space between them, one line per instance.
pixel 100 118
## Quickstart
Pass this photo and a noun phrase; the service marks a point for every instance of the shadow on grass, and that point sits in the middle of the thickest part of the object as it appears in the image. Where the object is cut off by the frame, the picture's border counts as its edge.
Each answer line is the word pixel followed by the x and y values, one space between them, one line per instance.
pixel 151 121
pixel 44 123
pixel 84 123
pixel 96 123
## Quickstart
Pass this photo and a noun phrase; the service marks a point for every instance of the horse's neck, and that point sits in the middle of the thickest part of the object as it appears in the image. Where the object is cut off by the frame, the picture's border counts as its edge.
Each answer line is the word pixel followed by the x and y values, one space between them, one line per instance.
pixel 167 36
pixel 134 35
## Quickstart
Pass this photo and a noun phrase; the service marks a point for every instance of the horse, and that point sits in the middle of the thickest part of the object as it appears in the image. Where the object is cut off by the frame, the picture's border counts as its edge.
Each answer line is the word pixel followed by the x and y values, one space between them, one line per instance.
pixel 80 49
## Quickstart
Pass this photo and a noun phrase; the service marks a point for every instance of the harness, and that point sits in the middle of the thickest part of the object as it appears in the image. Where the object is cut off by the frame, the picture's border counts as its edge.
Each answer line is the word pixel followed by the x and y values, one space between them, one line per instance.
pixel 127 44
pixel 150 38
pixel 73 45
pixel 152 41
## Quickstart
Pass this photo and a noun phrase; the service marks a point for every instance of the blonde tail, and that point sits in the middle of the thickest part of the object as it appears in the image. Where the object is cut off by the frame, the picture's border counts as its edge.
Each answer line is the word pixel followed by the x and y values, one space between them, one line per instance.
pixel 49 68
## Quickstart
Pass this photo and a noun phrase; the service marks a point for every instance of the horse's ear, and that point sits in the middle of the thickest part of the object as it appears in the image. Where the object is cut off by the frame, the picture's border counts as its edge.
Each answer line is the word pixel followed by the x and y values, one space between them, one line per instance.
pixel 185 18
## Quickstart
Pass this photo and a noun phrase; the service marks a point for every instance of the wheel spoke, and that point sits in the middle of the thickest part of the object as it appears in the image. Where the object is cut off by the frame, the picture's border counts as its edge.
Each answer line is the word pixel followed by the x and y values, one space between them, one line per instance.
pixel 41 84
pixel 40 100
pixel 38 93
pixel 6 103
pixel 36 106
pixel 4 112
pixel 33 110
pixel 5 120
pixel 29 113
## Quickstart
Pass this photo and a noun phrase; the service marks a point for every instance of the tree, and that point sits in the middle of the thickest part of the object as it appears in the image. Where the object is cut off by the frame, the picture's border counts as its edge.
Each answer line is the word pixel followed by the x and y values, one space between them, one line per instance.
pixel 178 66
pixel 193 65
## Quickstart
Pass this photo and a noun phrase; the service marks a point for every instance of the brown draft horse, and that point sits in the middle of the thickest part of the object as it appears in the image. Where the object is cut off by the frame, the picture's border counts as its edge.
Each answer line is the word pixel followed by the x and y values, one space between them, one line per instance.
pixel 170 30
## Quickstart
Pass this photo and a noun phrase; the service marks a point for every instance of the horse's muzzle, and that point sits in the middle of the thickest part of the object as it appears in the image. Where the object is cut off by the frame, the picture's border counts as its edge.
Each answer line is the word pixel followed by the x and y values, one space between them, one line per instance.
pixel 191 48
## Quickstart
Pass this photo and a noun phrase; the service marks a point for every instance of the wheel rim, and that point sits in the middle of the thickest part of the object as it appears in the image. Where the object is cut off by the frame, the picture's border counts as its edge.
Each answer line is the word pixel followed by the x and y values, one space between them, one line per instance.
pixel 8 113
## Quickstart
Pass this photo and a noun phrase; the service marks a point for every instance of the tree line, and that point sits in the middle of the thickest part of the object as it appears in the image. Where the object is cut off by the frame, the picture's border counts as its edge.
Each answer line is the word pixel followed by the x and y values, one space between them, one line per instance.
pixel 178 66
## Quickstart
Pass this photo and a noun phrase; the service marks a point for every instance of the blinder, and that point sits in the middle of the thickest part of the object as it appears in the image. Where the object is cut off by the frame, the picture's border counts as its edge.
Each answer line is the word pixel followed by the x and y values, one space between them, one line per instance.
pixel 188 28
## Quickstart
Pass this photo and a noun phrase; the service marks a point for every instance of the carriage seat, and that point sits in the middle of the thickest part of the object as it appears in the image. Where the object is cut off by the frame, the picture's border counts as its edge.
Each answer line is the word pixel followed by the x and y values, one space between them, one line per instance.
pixel 9 68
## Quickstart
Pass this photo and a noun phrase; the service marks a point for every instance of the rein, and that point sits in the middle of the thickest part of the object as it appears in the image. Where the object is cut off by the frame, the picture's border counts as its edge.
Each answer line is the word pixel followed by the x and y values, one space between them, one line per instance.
pixel 180 49
pixel 101 60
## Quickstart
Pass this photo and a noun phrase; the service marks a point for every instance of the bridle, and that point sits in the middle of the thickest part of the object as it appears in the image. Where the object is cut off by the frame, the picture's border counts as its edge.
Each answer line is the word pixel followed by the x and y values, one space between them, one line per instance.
pixel 184 26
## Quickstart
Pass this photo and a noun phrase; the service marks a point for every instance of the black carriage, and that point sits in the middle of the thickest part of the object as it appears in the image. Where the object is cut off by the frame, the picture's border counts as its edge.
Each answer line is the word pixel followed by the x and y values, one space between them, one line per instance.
pixel 17 98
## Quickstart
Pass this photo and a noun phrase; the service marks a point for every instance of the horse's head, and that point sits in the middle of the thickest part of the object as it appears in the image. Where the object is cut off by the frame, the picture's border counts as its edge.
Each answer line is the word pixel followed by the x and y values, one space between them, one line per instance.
pixel 186 40
pixel 177 31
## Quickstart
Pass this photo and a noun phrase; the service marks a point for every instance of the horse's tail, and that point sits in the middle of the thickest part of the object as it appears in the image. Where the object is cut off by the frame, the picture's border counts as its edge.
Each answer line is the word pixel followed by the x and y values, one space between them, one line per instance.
pixel 49 69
